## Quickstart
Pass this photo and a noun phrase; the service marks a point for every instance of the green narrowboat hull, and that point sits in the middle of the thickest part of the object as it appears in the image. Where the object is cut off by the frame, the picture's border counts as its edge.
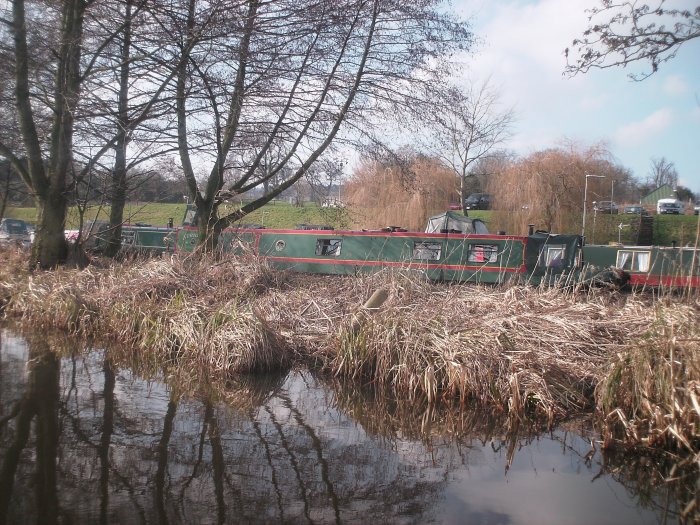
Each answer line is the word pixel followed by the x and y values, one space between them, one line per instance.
pixel 143 240
pixel 484 258
pixel 653 266
pixel 480 258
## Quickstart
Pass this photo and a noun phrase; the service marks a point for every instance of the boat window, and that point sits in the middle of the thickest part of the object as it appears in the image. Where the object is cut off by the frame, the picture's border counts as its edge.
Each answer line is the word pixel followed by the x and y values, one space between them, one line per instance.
pixel 427 251
pixel 633 261
pixel 328 247
pixel 483 253
pixel 238 242
pixel 128 237
pixel 555 256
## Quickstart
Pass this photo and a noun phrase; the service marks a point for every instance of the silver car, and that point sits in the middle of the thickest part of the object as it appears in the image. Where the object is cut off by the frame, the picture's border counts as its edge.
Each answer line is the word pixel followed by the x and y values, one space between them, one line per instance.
pixel 14 231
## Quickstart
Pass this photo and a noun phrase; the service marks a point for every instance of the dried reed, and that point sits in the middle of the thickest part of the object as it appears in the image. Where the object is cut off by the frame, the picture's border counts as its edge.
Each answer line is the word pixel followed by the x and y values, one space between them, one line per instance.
pixel 652 389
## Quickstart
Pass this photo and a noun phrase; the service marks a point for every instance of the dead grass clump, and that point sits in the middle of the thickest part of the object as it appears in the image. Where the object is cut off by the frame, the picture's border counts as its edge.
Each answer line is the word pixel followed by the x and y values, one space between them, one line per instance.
pixel 52 301
pixel 651 391
pixel 194 311
pixel 195 314
pixel 14 263
pixel 521 350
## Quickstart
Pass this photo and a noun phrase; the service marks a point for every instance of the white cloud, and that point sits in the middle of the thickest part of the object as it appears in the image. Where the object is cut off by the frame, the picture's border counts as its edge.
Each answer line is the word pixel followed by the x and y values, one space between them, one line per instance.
pixel 536 33
pixel 594 102
pixel 675 85
pixel 638 133
pixel 523 54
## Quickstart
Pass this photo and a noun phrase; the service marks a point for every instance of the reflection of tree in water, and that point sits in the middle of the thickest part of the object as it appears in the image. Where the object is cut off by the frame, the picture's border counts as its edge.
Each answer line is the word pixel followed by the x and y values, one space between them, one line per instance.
pixel 382 415
pixel 279 448
pixel 662 482
pixel 39 406
pixel 665 483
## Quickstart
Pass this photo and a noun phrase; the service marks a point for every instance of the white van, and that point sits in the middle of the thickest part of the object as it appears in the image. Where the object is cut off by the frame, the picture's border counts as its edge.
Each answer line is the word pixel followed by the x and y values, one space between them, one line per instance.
pixel 672 206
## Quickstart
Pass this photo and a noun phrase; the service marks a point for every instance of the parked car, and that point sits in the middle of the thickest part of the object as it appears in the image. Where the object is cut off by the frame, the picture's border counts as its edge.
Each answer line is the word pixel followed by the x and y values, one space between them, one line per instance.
pixel 455 206
pixel 478 201
pixel 634 209
pixel 669 206
pixel 696 210
pixel 605 207
pixel 14 231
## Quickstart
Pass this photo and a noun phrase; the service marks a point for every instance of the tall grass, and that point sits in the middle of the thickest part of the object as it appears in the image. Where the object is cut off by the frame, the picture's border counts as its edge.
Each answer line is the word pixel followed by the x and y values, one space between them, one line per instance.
pixel 652 389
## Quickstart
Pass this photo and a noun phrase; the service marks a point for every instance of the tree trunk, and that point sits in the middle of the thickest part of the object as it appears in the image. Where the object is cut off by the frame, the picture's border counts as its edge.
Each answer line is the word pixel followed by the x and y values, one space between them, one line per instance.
pixel 118 189
pixel 463 193
pixel 209 225
pixel 50 247
pixel 49 184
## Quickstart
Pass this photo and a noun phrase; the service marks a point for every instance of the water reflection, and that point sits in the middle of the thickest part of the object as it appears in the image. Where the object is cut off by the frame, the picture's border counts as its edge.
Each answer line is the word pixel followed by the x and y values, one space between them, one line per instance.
pixel 84 439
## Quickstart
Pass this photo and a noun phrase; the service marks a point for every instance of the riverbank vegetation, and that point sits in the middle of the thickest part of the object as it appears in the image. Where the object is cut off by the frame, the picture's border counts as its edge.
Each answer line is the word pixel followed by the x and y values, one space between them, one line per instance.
pixel 528 353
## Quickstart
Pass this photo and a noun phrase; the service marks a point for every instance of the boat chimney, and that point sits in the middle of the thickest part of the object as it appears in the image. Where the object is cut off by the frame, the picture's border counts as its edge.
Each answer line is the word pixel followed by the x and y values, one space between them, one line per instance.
pixel 530 229
pixel 673 244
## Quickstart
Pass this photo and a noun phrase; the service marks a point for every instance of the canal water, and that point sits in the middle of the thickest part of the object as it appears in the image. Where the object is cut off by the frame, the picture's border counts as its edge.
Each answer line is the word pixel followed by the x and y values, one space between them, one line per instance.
pixel 86 440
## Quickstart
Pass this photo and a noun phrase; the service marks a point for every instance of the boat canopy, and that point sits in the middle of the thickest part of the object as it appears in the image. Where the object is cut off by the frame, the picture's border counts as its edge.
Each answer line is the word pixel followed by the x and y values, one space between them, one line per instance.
pixel 451 222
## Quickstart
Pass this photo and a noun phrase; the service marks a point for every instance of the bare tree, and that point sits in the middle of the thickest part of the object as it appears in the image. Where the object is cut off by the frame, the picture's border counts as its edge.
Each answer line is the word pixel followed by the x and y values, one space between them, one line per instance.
pixel 93 106
pixel 662 172
pixel 48 163
pixel 620 33
pixel 305 69
pixel 466 127
pixel 124 112
pixel 324 176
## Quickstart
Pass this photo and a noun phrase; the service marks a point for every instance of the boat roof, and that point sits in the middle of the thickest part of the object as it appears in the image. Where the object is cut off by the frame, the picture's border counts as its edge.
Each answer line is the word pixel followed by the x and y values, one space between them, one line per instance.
pixel 451 222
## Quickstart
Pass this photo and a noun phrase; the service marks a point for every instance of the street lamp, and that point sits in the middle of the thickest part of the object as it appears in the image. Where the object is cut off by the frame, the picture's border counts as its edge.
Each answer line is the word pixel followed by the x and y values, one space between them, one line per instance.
pixel 585 197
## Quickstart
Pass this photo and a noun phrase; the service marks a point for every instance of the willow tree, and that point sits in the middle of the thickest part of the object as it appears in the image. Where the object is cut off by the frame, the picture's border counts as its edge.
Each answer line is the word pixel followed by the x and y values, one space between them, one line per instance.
pixel 293 76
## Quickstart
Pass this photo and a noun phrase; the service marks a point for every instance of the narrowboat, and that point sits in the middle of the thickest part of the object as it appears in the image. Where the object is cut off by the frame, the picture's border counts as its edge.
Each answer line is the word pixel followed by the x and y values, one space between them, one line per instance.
pixel 136 238
pixel 453 248
pixel 648 266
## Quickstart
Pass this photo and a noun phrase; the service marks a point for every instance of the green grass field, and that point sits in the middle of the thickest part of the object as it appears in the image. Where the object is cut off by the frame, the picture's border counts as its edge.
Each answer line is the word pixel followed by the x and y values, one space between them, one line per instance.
pixel 274 215
pixel 667 228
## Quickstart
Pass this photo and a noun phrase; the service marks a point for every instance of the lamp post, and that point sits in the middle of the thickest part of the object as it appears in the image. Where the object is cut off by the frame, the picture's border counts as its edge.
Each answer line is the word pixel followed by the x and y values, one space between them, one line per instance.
pixel 585 197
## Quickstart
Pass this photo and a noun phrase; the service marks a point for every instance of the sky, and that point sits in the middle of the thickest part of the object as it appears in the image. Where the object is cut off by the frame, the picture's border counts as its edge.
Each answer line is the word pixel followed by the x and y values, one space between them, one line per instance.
pixel 521 53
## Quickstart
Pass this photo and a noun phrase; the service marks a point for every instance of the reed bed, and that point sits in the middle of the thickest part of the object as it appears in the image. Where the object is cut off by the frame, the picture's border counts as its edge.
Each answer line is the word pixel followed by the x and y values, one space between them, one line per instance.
pixel 520 352
pixel 652 388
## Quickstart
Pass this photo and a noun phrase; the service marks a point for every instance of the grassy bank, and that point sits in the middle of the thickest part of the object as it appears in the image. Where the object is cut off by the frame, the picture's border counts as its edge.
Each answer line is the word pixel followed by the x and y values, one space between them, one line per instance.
pixel 274 215
pixel 681 229
pixel 526 353
pixel 606 228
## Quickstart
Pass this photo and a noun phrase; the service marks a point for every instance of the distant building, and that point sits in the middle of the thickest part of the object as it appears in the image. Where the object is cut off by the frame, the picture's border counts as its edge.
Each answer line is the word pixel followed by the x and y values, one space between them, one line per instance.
pixel 332 202
pixel 662 192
